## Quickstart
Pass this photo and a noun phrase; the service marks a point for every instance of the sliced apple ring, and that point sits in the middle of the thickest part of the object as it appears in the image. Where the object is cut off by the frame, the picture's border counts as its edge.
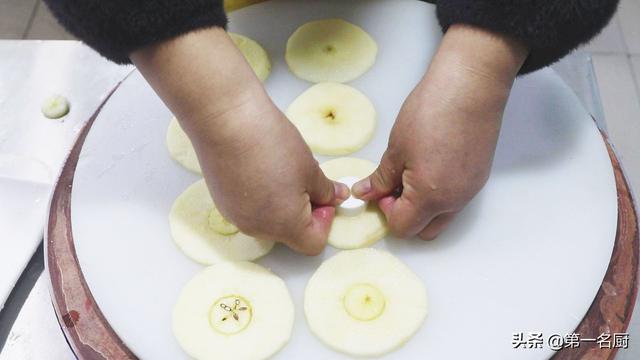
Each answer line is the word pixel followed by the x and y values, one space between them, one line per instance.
pixel 203 235
pixel 364 302
pixel 233 310
pixel 180 147
pixel 255 55
pixel 352 231
pixel 330 50
pixel 333 118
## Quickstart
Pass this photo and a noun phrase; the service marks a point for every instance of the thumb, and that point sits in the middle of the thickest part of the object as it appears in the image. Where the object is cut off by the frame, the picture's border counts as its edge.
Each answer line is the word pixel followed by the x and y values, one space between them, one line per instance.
pixel 386 178
pixel 323 191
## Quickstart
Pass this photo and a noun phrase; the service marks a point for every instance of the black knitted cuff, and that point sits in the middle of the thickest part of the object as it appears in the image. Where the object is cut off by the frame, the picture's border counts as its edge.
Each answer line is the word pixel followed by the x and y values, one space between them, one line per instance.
pixel 550 28
pixel 115 28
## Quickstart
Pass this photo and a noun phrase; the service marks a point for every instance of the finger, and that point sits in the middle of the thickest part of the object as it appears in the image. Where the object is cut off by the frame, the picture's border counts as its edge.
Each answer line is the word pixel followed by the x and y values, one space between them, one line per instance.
pixel 435 227
pixel 311 239
pixel 323 191
pixel 404 217
pixel 383 181
pixel 386 204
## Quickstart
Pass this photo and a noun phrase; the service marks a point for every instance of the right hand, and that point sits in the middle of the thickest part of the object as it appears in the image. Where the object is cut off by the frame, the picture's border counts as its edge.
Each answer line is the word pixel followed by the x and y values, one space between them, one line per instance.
pixel 263 176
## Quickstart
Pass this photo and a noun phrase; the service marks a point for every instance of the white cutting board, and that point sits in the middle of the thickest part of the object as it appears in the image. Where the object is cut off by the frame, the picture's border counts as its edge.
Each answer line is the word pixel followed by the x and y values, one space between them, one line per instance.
pixel 528 254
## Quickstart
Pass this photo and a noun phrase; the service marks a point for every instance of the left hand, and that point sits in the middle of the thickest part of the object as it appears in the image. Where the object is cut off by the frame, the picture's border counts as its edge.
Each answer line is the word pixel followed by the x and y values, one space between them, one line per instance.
pixel 442 144
pixel 261 174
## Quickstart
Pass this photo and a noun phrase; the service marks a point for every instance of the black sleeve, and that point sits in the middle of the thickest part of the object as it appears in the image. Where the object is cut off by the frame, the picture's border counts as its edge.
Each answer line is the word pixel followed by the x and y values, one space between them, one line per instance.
pixel 550 28
pixel 115 28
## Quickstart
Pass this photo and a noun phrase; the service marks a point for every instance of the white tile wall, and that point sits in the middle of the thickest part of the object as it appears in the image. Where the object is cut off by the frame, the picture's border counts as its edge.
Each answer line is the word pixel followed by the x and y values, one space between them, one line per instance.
pixel 629 14
pixel 610 39
pixel 45 26
pixel 15 16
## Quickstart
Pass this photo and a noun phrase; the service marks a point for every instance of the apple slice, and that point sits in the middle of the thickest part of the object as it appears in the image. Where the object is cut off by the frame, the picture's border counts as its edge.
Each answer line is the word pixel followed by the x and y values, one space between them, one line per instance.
pixel 180 147
pixel 352 231
pixel 333 118
pixel 200 231
pixel 330 50
pixel 233 310
pixel 255 55
pixel 364 302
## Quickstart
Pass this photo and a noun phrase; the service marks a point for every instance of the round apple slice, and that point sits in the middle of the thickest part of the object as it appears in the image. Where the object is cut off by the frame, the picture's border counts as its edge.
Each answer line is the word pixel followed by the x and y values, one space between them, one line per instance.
pixel 354 230
pixel 180 147
pixel 203 235
pixel 255 55
pixel 333 118
pixel 233 310
pixel 330 50
pixel 364 302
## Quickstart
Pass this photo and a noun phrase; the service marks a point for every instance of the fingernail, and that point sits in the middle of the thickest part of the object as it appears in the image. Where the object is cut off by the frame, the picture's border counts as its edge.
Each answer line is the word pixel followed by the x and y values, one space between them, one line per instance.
pixel 341 190
pixel 361 188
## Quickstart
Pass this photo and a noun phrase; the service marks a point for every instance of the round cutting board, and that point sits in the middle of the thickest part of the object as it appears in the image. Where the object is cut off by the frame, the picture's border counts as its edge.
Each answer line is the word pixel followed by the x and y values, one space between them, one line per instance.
pixel 528 254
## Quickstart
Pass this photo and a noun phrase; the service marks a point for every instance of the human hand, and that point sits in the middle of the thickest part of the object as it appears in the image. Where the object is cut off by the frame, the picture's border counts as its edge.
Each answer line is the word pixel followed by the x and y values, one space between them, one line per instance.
pixel 442 144
pixel 261 174
pixel 264 178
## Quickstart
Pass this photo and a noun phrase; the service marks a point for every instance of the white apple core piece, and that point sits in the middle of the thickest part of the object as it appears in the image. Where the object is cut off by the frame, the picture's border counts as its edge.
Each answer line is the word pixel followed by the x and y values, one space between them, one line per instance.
pixel 352 206
pixel 333 118
pixel 55 106
pixel 364 302
pixel 352 231
pixel 235 311
pixel 330 50
pixel 202 234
